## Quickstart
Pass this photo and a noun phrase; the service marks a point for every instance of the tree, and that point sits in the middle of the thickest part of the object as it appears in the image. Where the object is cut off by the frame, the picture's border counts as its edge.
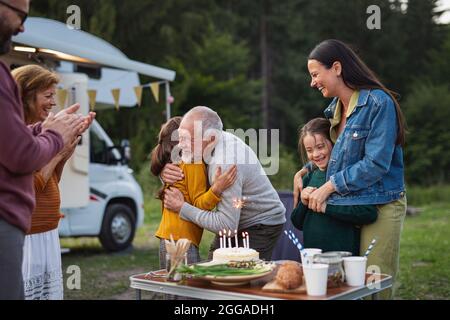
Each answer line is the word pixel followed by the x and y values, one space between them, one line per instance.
pixel 427 155
pixel 215 76
pixel 427 110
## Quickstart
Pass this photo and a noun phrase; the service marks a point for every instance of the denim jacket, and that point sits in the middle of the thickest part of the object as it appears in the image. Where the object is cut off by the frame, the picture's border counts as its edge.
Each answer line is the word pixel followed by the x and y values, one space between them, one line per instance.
pixel 366 166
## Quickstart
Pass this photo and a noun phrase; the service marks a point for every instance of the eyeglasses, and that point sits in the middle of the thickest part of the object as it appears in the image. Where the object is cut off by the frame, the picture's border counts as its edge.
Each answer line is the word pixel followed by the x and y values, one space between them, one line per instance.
pixel 22 14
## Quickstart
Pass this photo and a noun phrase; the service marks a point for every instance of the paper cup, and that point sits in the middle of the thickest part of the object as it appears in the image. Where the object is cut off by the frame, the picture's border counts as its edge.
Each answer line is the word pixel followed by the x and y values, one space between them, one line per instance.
pixel 316 277
pixel 355 270
pixel 310 252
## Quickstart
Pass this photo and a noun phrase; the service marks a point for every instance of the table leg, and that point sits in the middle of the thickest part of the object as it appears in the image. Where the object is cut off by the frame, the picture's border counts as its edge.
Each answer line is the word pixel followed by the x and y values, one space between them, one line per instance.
pixel 138 294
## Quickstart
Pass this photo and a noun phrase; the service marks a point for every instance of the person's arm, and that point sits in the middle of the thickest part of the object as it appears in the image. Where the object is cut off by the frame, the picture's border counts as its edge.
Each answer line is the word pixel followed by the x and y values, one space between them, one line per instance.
pixel 222 181
pixel 42 176
pixel 171 174
pixel 55 166
pixel 298 183
pixel 379 147
pixel 226 216
pixel 60 168
pixel 197 187
pixel 299 213
pixel 35 128
pixel 39 182
pixel 65 155
pixel 298 216
pixel 358 215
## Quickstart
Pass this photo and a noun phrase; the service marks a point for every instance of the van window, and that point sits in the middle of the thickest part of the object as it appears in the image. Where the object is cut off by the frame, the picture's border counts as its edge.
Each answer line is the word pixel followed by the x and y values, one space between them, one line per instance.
pixel 98 148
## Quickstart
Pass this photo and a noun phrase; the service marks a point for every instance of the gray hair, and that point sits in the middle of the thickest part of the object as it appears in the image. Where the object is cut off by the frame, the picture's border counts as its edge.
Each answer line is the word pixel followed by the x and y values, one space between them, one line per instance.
pixel 209 118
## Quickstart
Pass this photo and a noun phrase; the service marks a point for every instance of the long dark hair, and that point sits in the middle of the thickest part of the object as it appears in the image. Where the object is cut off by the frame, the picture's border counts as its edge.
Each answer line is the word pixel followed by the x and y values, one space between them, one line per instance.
pixel 355 74
pixel 161 154
pixel 315 126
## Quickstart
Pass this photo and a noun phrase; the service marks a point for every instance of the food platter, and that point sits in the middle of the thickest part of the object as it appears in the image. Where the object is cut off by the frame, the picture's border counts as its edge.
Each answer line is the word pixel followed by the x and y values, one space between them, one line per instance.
pixel 236 280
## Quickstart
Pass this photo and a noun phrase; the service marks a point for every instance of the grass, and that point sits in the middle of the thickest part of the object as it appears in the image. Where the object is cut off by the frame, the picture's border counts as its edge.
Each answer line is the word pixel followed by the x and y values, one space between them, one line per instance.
pixel 424 254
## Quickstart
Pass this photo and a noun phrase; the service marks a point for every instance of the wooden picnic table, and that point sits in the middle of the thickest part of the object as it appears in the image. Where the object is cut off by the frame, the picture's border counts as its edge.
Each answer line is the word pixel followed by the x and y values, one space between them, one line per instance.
pixel 204 289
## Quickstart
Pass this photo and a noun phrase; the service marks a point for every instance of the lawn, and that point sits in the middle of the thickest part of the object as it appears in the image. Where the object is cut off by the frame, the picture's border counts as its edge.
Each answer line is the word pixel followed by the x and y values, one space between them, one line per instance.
pixel 425 255
pixel 424 258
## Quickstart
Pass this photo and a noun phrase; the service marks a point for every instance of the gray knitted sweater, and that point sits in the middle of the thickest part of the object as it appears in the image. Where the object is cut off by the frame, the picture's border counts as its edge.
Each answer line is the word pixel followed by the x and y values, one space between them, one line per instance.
pixel 262 204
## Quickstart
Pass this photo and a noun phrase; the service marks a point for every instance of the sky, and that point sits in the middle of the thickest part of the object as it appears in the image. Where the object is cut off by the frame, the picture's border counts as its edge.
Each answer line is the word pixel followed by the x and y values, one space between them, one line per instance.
pixel 444 4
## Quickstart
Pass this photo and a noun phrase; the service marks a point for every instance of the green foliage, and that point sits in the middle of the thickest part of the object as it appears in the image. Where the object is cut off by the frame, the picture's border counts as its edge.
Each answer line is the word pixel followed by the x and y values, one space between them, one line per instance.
pixel 216 77
pixel 428 148
pixel 419 195
pixel 289 165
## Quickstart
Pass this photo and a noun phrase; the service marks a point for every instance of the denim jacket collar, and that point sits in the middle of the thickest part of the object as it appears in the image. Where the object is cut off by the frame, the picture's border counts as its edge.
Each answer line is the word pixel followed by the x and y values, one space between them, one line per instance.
pixel 362 101
pixel 363 97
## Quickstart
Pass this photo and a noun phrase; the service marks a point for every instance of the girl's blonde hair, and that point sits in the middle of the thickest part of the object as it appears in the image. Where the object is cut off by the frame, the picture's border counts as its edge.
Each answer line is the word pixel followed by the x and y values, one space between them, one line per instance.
pixel 32 79
pixel 315 126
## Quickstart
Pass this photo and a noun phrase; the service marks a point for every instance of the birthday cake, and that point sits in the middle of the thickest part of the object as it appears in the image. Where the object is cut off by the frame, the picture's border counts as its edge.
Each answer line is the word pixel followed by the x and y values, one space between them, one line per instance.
pixel 235 254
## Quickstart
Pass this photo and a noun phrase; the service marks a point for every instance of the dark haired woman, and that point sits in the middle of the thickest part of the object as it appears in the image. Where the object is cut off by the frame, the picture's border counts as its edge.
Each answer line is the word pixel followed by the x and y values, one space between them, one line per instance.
pixel 366 165
pixel 194 187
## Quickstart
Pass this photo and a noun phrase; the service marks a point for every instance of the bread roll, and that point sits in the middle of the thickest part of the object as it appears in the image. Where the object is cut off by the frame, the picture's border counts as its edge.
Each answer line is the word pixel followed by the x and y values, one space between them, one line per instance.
pixel 289 275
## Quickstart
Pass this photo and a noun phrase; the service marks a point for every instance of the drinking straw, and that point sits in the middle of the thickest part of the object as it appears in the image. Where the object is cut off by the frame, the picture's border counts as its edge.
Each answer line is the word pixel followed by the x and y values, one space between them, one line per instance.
pixel 369 249
pixel 294 240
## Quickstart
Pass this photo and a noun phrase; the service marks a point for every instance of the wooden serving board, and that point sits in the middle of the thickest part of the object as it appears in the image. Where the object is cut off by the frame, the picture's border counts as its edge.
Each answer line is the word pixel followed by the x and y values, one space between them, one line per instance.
pixel 273 286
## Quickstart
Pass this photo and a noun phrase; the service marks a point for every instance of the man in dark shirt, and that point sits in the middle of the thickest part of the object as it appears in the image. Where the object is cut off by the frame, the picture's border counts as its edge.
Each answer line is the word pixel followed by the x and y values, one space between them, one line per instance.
pixel 23 150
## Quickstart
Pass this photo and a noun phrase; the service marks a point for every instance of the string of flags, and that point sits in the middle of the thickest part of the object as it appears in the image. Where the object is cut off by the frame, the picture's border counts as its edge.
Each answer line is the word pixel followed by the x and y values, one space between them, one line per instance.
pixel 62 94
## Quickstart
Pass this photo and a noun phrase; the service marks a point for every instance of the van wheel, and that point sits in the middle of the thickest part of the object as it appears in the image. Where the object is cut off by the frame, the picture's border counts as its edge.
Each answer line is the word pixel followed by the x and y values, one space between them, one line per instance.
pixel 118 227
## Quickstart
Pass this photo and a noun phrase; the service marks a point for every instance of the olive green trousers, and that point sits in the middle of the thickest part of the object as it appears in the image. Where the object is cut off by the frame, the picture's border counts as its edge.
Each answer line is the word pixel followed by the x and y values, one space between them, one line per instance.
pixel 387 229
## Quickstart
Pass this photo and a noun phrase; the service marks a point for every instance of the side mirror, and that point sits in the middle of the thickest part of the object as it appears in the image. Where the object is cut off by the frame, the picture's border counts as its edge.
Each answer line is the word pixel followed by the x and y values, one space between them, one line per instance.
pixel 126 151
pixel 114 155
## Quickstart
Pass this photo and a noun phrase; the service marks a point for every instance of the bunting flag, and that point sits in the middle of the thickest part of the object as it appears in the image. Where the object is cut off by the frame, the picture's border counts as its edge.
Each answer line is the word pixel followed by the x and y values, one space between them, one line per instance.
pixel 138 93
pixel 116 96
pixel 61 97
pixel 154 86
pixel 92 98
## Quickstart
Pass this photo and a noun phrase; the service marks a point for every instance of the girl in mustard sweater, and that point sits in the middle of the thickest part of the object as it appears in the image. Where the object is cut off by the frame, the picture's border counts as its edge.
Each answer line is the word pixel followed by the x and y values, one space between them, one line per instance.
pixel 194 187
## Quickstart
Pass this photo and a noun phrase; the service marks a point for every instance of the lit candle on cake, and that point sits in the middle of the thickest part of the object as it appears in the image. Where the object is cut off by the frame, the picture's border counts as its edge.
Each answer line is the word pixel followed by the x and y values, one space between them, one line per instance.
pixel 224 238
pixel 236 239
pixel 229 239
pixel 220 239
pixel 243 239
pixel 248 240
pixel 224 234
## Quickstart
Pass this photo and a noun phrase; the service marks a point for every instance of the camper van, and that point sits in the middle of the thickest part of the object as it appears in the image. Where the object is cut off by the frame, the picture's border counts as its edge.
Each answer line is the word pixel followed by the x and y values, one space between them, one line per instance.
pixel 99 195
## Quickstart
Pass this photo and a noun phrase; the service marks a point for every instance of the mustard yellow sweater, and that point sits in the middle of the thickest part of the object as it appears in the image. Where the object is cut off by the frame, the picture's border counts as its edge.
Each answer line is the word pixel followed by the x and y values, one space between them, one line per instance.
pixel 194 187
